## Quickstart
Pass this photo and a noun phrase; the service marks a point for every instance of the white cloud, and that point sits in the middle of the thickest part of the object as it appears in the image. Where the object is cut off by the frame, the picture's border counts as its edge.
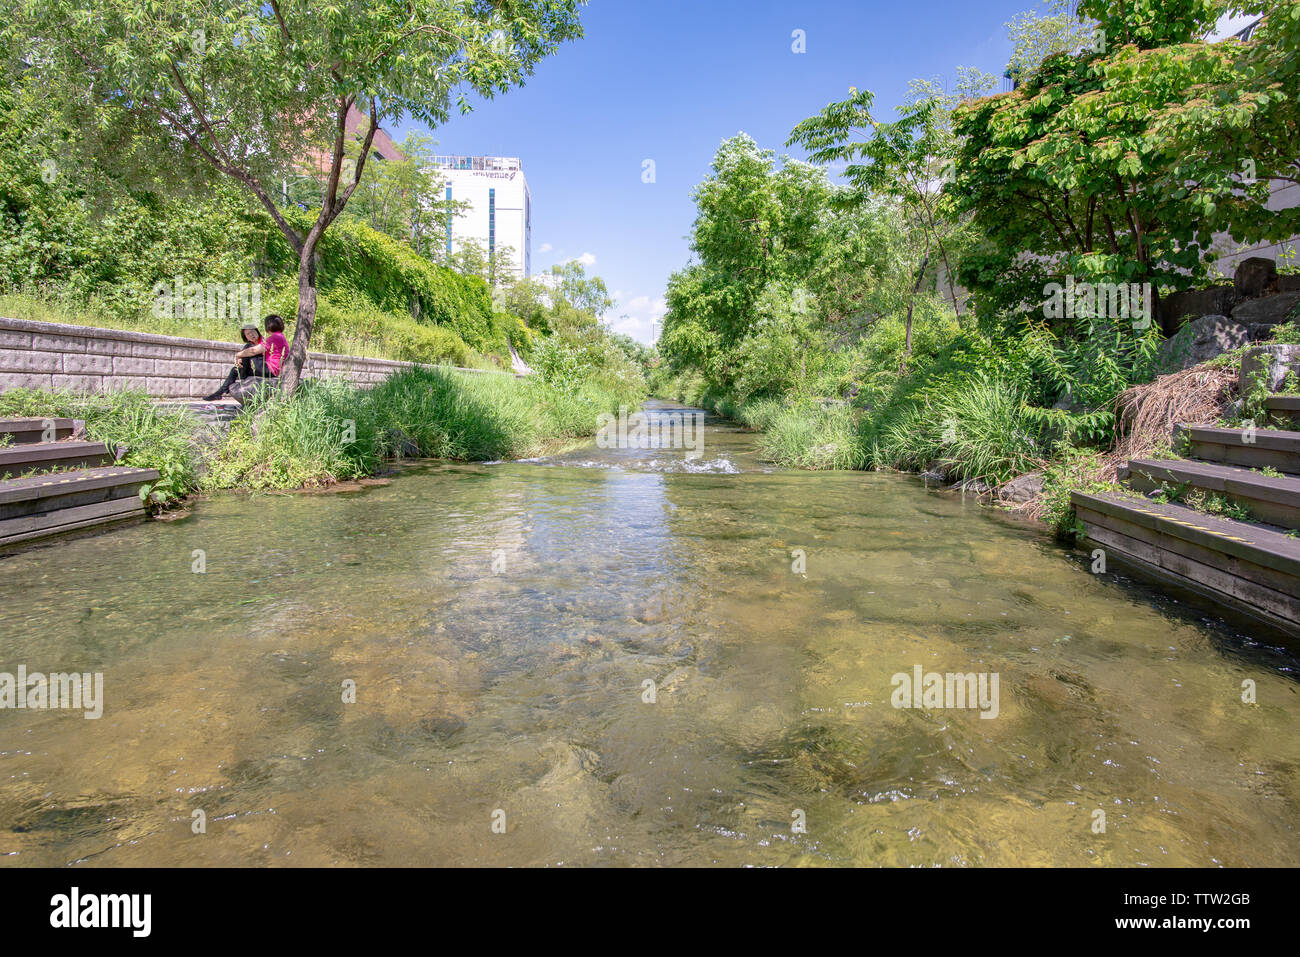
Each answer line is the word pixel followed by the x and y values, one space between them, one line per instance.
pixel 635 316
pixel 546 248
pixel 586 259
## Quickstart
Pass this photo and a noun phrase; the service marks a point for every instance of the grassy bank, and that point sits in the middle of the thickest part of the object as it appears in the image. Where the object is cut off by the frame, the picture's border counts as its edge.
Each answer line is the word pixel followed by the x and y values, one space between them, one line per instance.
pixel 955 404
pixel 332 431
pixel 983 411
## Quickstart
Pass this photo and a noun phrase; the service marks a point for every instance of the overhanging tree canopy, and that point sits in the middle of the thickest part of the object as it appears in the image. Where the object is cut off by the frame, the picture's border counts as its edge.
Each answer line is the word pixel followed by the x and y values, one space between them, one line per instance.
pixel 1122 163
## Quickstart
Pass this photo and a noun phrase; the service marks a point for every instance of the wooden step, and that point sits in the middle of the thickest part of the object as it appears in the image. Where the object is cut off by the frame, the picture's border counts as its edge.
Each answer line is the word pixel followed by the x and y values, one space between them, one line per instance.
pixel 1271 448
pixel 1239 564
pixel 1275 500
pixel 33 431
pixel 1283 410
pixel 44 506
pixel 17 460
pixel 32 528
pixel 48 492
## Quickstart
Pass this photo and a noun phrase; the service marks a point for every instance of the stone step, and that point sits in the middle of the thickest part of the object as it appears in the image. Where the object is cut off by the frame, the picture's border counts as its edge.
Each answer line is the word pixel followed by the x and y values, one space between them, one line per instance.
pixel 1283 410
pixel 43 506
pixel 17 460
pixel 1239 564
pixel 33 431
pixel 38 494
pixel 1275 500
pixel 1260 448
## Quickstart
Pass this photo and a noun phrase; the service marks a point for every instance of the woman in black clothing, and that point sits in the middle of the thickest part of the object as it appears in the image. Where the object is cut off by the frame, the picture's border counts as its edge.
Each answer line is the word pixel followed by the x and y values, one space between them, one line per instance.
pixel 246 367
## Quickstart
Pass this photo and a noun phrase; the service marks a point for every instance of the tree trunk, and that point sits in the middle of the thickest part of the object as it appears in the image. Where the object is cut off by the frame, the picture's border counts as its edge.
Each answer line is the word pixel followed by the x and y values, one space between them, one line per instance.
pixel 911 301
pixel 332 204
pixel 291 373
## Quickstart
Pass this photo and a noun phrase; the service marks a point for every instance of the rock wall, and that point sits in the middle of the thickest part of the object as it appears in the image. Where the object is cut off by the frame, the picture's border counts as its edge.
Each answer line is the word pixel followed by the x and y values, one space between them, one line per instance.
pixel 46 355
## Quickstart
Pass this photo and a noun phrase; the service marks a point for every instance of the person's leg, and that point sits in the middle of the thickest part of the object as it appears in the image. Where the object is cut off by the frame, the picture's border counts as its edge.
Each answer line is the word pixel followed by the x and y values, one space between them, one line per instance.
pixel 259 368
pixel 225 386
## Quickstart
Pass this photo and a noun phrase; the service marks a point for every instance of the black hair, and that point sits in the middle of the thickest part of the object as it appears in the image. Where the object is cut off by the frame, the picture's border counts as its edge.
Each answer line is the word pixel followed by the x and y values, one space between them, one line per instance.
pixel 274 324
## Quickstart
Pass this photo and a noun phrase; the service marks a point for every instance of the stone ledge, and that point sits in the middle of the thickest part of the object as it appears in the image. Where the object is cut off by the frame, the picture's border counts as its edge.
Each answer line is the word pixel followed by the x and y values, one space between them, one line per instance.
pixel 54 355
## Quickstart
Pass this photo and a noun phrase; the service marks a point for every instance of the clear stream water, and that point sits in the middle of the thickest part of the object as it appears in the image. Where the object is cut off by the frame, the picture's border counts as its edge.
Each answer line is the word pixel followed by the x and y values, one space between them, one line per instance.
pixel 519 688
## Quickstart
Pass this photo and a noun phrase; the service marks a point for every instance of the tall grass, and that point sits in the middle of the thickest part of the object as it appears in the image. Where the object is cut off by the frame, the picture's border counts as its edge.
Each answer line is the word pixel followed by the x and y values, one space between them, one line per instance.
pixel 760 414
pixel 976 429
pixel 812 437
pixel 332 431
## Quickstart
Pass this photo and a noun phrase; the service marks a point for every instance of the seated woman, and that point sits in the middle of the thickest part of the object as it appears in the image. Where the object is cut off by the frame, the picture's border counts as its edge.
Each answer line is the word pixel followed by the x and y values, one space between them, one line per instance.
pixel 244 366
pixel 262 358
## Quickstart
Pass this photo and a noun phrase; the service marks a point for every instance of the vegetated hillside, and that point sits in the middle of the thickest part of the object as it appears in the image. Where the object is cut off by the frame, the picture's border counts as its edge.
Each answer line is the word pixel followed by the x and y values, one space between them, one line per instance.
pixel 76 246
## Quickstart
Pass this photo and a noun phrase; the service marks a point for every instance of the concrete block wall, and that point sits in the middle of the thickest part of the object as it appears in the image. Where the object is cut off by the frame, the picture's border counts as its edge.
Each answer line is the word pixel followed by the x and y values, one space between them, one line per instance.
pixel 46 355
pixel 1282 195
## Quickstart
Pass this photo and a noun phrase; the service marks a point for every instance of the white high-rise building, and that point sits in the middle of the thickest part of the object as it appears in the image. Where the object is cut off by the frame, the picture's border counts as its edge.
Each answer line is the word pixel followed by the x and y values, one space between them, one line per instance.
pixel 500 211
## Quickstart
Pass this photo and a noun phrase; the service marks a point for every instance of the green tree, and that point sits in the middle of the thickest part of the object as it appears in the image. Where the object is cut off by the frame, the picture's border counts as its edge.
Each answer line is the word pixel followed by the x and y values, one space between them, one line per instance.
pixel 471 258
pixel 1120 164
pixel 571 286
pixel 1036 37
pixel 247 89
pixel 905 161
pixel 405 198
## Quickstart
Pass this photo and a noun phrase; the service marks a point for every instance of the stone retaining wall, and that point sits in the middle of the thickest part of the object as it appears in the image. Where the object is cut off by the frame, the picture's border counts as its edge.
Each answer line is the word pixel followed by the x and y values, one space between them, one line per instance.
pixel 45 355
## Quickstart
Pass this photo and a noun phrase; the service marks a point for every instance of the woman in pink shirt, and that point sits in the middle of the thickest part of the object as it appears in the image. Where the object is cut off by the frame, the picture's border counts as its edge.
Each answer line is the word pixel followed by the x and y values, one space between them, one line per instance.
pixel 274 346
pixel 263 357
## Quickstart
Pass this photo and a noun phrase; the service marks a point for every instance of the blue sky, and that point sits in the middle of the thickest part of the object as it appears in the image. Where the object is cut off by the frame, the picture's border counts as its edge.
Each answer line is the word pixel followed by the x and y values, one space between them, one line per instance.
pixel 668 80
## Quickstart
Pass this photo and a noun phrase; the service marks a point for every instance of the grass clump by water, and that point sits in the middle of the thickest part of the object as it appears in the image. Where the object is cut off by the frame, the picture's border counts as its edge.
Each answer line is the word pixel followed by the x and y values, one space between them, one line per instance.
pixel 811 436
pixel 332 431
pixel 977 432
pixel 156 437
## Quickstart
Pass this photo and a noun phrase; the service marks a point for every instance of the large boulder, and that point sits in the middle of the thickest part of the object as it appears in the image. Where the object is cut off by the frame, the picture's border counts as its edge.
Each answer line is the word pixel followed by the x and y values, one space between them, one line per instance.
pixel 1255 277
pixel 1201 340
pixel 1260 315
pixel 1023 488
pixel 1281 361
pixel 245 390
pixel 1288 283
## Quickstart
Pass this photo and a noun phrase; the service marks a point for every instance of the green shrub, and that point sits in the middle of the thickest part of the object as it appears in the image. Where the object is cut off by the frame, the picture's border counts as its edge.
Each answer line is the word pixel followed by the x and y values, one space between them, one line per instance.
pixel 1286 333
pixel 413 342
pixel 559 364
pixel 814 437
